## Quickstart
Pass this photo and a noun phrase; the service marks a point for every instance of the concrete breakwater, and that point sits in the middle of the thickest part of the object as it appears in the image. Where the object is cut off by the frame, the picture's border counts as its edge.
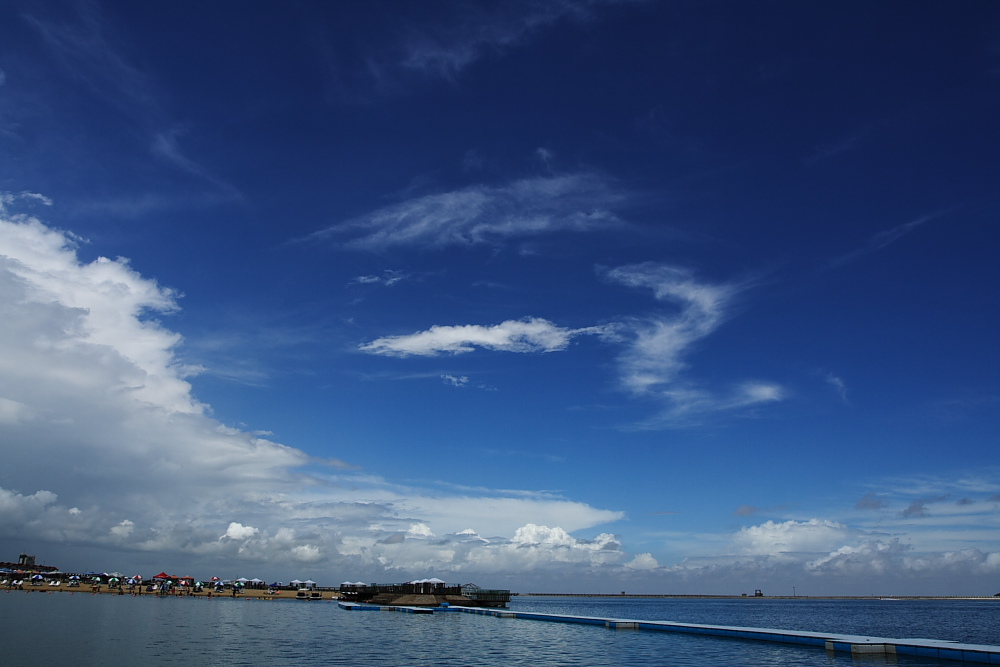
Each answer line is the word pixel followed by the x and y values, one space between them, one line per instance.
pixel 854 644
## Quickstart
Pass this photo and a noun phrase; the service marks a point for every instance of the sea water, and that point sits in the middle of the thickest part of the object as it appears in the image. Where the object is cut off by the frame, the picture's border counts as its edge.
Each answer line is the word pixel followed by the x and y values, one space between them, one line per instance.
pixel 88 630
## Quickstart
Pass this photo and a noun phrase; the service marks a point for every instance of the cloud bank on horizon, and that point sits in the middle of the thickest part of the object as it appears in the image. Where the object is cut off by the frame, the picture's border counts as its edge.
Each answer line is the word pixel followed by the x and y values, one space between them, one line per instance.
pixel 485 292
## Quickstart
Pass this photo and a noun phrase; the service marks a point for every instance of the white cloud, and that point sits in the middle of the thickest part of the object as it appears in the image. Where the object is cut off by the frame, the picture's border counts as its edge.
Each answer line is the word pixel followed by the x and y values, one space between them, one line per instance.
pixel 527 335
pixel 825 556
pixel 454 381
pixel 777 539
pixel 420 530
pixel 653 361
pixel 387 279
pixel 123 529
pixel 654 356
pixel 642 562
pixel 114 451
pixel 237 531
pixel 484 214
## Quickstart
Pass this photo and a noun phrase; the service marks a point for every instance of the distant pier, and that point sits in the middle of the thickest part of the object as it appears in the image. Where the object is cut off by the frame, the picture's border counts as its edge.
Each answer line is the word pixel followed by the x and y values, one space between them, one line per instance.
pixel 858 645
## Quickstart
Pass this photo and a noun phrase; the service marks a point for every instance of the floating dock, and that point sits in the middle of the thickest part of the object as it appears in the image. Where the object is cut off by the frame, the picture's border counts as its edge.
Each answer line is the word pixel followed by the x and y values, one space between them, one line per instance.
pixel 859 645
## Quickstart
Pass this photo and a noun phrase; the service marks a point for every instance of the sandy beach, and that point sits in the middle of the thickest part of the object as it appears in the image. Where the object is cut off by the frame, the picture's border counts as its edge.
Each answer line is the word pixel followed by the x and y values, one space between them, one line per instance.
pixel 104 589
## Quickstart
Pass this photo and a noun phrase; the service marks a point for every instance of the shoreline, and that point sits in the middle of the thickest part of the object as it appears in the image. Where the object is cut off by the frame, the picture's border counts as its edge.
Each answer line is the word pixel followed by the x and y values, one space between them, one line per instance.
pixel 329 595
pixel 104 589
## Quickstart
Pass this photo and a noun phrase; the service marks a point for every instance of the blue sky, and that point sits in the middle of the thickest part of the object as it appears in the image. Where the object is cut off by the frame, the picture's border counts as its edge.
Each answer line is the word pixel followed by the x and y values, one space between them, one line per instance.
pixel 551 295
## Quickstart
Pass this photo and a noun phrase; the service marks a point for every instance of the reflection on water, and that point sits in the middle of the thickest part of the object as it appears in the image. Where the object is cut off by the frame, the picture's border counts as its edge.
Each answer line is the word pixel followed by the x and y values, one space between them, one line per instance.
pixel 87 630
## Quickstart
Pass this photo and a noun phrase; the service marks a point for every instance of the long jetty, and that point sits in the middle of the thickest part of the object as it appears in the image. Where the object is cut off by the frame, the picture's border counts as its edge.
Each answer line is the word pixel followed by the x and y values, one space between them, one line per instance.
pixel 858 645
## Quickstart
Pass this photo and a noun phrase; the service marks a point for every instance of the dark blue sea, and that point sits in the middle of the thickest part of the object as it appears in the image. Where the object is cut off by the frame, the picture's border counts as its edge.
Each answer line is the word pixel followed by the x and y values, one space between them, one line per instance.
pixel 87 630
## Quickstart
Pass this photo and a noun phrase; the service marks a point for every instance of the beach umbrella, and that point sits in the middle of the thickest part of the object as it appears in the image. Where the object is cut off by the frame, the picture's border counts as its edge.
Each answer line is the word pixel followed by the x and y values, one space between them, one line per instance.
pixel 75 577
pixel 37 577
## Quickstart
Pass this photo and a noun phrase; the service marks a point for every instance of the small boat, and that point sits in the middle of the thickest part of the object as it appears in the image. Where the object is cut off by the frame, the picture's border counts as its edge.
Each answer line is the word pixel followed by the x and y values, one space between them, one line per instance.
pixel 306 594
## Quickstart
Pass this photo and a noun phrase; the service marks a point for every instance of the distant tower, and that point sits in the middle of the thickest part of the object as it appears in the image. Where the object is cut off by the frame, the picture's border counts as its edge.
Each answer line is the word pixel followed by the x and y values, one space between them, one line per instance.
pixel 26 561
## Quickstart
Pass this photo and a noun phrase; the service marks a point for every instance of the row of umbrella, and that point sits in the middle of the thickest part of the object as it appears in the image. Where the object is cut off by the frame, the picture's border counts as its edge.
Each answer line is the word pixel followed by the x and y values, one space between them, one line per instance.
pixel 163 576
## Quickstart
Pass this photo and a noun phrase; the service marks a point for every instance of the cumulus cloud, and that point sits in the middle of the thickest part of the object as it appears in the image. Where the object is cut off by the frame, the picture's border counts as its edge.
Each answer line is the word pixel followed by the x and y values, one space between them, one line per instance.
pixel 110 449
pixel 528 335
pixel 486 214
pixel 123 529
pixel 788 537
pixel 825 556
pixel 237 531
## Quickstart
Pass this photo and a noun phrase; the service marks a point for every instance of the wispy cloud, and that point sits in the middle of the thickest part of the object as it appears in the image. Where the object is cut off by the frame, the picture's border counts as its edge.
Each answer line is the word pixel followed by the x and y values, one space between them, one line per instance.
pixel 456 380
pixel 447 48
pixel 832 150
pixel 484 214
pixel 388 278
pixel 166 147
pixel 654 358
pixel 655 355
pixel 88 51
pixel 838 385
pixel 883 239
pixel 527 335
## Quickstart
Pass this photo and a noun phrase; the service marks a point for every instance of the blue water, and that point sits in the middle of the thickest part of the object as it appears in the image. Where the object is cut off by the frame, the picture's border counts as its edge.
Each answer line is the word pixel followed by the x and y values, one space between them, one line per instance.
pixel 87 630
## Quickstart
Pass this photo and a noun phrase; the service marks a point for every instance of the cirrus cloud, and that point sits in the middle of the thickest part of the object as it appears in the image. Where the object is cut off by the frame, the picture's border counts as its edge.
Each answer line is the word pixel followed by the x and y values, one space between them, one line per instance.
pixel 483 214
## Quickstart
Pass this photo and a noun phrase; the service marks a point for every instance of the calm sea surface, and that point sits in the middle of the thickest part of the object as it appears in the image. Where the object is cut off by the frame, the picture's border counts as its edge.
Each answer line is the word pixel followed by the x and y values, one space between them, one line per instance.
pixel 87 630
